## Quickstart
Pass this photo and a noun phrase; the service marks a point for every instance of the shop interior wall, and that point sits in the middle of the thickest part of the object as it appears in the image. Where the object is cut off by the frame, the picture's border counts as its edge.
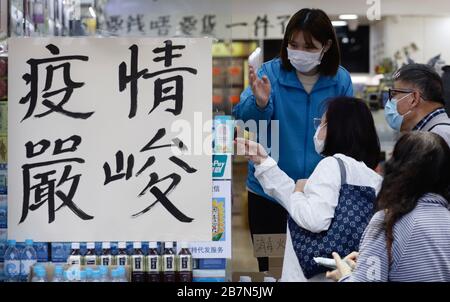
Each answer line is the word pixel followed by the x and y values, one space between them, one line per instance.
pixel 431 34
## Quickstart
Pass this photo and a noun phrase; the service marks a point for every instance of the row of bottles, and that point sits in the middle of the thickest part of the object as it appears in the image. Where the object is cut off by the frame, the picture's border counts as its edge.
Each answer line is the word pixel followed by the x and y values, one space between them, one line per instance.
pixel 100 274
pixel 17 265
pixel 91 257
pixel 153 267
pixel 168 267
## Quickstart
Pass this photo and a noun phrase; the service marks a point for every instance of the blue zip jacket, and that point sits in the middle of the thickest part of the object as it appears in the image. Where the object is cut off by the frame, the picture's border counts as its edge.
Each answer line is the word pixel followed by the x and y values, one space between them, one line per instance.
pixel 295 110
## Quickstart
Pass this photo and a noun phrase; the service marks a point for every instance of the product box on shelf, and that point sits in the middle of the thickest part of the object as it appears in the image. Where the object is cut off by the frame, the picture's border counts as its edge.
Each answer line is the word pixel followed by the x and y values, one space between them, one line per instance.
pixel 212 263
pixel 60 251
pixel 208 275
pixel 42 251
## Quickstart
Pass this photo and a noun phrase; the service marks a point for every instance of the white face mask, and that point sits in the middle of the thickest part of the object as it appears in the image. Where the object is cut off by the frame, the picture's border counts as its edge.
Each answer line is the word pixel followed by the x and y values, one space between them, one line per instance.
pixel 304 61
pixel 319 144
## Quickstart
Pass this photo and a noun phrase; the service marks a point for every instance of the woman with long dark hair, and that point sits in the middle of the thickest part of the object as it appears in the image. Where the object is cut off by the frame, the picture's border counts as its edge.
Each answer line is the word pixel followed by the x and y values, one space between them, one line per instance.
pixel 330 210
pixel 408 239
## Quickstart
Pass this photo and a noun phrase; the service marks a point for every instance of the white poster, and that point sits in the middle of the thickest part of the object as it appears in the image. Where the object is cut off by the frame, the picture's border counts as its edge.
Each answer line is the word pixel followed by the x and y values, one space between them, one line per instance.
pixel 100 139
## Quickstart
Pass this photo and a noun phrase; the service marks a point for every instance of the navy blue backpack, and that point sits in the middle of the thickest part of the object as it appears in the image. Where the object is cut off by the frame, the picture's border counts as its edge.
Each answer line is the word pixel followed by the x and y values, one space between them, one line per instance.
pixel 353 212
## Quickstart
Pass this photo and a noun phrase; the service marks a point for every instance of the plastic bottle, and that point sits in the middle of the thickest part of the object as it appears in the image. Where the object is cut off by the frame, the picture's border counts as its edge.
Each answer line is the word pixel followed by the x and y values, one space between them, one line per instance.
pixel 40 275
pixel 137 263
pixel 114 276
pixel 96 276
pixel 75 256
pixel 28 258
pixel 66 277
pixel 184 264
pixel 168 263
pixel 153 263
pixel 90 258
pixel 12 262
pixel 118 274
pixel 122 257
pixel 89 272
pixel 83 277
pixel 58 274
pixel 103 273
pixel 35 269
pixel 106 257
pixel 121 274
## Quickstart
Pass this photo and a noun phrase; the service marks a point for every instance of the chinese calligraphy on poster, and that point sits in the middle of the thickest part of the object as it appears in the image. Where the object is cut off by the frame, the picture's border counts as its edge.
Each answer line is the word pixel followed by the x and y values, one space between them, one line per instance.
pixel 93 154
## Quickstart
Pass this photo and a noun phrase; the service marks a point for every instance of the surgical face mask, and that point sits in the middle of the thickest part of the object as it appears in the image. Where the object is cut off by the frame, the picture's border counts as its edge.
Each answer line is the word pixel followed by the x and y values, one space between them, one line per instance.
pixel 393 118
pixel 319 144
pixel 304 61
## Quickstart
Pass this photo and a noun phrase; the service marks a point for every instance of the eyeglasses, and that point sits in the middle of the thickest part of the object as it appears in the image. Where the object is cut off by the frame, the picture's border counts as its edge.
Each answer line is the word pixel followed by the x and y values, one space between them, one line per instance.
pixel 393 92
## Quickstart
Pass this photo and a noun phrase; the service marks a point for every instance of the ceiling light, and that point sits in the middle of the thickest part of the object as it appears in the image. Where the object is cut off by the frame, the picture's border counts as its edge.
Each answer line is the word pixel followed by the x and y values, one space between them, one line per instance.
pixel 348 17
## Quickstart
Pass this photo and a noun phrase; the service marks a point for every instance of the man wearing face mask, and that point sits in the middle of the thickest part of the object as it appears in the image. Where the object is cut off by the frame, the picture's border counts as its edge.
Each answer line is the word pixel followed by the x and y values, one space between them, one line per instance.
pixel 292 89
pixel 416 102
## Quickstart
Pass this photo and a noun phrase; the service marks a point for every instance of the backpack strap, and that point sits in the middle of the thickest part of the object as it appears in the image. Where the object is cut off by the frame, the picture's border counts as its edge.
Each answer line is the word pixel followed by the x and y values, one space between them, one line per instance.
pixel 440 124
pixel 343 172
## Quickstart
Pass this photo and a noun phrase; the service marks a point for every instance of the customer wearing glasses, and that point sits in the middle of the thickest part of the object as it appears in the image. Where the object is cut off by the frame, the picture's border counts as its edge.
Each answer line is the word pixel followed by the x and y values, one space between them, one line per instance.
pixel 330 210
pixel 416 102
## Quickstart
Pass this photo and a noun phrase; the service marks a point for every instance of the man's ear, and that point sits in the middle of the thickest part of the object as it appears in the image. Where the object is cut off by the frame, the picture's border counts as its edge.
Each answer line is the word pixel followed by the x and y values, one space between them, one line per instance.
pixel 416 98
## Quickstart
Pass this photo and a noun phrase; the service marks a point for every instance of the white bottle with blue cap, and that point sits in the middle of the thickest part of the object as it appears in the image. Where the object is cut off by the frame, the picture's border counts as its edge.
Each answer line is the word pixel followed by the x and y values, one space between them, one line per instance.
pixel 28 258
pixel 37 267
pixel 12 262
pixel 104 273
pixel 40 275
pixel 58 275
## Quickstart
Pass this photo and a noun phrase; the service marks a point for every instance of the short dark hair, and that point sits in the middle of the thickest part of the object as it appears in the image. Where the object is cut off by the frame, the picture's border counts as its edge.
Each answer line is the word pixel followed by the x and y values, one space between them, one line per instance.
pixel 351 131
pixel 314 23
pixel 425 78
pixel 420 164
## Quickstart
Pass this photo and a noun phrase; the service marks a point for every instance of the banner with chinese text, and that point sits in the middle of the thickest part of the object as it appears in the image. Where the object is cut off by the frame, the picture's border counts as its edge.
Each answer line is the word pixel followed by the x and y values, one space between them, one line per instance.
pixel 109 139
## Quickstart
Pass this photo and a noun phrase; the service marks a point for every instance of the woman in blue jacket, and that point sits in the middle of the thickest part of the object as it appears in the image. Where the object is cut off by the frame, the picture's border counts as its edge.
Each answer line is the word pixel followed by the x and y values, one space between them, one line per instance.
pixel 292 89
